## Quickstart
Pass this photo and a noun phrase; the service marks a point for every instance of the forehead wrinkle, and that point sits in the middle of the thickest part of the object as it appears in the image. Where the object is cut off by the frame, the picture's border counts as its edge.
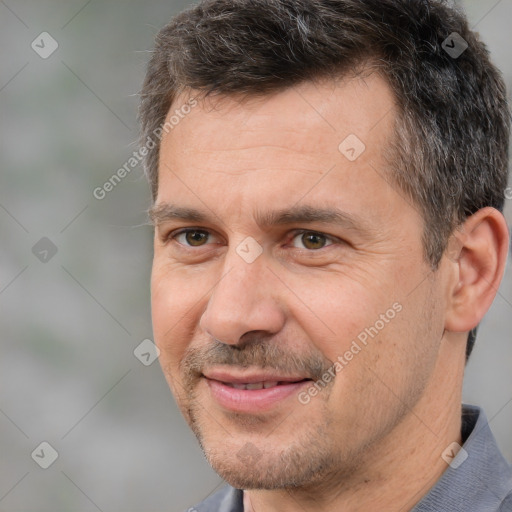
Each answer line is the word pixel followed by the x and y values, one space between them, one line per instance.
pixel 246 170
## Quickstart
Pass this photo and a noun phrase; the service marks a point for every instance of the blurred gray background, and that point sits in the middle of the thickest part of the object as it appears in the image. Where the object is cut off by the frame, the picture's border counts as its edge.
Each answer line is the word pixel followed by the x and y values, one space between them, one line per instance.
pixel 71 319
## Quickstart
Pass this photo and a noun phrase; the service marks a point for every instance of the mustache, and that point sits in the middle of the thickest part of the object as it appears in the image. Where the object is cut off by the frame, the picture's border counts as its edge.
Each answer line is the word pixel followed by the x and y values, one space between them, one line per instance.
pixel 261 354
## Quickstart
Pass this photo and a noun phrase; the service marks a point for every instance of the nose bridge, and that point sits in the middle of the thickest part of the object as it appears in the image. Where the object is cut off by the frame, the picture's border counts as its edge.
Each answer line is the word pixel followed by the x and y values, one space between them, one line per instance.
pixel 243 300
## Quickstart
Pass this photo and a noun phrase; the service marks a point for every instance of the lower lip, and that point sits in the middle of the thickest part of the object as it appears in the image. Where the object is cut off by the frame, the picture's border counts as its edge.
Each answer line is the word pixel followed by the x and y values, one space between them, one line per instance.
pixel 252 400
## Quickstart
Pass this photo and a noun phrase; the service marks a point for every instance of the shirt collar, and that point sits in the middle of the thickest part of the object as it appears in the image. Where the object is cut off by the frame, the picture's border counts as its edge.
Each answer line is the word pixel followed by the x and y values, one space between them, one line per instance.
pixel 478 478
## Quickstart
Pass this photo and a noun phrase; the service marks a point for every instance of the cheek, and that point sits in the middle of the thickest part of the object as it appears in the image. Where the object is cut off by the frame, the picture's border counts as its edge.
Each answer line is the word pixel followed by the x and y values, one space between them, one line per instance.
pixel 337 310
pixel 175 300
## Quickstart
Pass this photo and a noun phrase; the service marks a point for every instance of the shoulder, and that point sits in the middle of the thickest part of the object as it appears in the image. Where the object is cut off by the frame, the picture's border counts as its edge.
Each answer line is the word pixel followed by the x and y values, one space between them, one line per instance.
pixel 506 504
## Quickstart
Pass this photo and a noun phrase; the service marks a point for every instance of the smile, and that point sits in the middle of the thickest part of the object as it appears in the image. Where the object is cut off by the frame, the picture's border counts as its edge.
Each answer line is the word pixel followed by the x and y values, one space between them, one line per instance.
pixel 257 385
pixel 253 397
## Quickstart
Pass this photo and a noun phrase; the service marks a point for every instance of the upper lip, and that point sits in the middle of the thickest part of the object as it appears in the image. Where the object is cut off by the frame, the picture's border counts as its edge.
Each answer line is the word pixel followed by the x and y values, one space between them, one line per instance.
pixel 250 377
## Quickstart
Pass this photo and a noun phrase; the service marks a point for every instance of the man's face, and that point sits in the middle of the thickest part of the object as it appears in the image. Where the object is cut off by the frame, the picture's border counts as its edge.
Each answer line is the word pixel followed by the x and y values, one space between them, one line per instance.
pixel 240 298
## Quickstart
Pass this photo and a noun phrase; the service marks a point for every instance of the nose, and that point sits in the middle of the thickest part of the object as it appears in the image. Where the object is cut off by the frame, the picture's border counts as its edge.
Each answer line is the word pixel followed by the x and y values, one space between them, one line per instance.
pixel 244 300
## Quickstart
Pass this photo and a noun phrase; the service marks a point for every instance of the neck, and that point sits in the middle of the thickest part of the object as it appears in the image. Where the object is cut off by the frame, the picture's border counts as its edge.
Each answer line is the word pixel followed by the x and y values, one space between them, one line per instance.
pixel 396 473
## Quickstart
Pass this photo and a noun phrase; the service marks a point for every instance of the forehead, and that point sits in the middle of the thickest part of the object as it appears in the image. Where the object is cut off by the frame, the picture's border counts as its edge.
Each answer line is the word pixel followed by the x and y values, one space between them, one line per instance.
pixel 322 112
pixel 314 140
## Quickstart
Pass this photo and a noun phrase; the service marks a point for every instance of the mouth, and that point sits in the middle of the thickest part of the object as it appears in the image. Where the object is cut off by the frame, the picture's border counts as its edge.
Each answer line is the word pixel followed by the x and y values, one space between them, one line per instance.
pixel 262 385
pixel 252 392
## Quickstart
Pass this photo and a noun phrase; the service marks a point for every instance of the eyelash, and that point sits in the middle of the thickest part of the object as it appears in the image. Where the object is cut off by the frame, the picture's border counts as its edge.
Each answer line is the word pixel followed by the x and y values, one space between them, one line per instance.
pixel 174 234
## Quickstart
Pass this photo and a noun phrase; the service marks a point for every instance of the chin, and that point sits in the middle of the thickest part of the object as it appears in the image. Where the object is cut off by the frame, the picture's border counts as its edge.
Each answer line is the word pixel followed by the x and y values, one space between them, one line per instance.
pixel 269 469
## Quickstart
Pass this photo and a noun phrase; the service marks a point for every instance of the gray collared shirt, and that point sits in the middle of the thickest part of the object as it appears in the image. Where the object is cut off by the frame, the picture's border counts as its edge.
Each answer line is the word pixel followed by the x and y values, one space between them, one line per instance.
pixel 481 483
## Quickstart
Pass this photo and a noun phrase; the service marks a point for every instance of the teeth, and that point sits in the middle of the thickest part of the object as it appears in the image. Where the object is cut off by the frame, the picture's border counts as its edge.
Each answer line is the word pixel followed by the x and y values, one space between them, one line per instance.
pixel 255 385
pixel 238 386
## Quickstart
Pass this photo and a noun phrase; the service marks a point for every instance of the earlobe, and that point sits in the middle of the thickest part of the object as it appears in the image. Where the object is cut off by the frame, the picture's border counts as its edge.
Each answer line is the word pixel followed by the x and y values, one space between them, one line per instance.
pixel 480 254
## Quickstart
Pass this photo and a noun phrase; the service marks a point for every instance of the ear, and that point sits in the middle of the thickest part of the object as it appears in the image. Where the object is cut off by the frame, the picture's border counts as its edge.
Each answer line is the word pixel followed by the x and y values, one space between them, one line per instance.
pixel 479 264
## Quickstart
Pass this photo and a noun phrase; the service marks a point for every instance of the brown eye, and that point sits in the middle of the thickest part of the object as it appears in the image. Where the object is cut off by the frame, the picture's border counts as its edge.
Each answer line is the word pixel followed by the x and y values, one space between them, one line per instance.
pixel 192 237
pixel 311 240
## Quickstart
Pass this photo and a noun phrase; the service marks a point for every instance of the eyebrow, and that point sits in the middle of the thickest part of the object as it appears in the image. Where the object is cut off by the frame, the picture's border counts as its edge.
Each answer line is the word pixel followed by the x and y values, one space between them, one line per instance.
pixel 304 214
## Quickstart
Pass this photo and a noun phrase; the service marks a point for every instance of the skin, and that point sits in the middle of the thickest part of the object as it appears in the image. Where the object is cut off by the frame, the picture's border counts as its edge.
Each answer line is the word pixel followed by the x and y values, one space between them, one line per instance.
pixel 373 438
